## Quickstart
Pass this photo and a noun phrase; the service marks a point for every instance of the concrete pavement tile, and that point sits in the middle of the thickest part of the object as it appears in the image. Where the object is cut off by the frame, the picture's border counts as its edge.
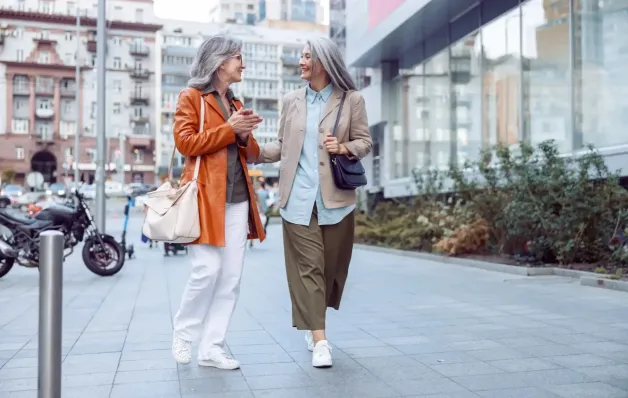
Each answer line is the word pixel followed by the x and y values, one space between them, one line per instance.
pixel 524 392
pixel 18 373
pixel 213 385
pixel 269 369
pixel 248 359
pixel 464 394
pixel 580 360
pixel 153 354
pixel 301 392
pixel 587 390
pixel 20 363
pixel 425 348
pixel 145 376
pixel 521 379
pixel 523 364
pixel 428 387
pixel 231 394
pixel 91 392
pixel 604 373
pixel 272 348
pixel 466 369
pixel 206 372
pixel 165 389
pixel 147 364
pixel 86 380
pixel 363 389
pixel 7 354
pixel 279 381
pixel 444 357
pixel 365 352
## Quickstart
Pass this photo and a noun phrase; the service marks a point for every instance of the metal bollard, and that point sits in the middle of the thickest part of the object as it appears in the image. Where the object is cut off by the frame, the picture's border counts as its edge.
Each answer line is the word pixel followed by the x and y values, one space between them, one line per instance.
pixel 50 307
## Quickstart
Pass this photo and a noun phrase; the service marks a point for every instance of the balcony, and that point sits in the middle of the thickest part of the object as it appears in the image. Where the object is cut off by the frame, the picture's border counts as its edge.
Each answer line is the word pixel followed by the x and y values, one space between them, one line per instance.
pixel 290 60
pixel 140 139
pixel 183 51
pixel 142 74
pixel 20 126
pixel 68 89
pixel 138 50
pixel 44 113
pixel 292 77
pixel 139 99
pixel 178 69
pixel 268 113
pixel 139 120
pixel 45 137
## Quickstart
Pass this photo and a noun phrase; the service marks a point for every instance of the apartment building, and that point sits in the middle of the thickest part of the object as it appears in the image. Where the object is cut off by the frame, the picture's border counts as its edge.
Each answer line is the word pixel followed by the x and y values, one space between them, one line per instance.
pixel 240 11
pixel 292 10
pixel 44 106
pixel 272 69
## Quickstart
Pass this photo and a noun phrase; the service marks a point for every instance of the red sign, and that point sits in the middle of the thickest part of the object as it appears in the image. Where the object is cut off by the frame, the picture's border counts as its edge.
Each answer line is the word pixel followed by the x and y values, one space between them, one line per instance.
pixel 380 9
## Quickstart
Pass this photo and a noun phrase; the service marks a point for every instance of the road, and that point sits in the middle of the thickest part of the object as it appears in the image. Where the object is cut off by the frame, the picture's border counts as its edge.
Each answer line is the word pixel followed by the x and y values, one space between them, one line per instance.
pixel 407 327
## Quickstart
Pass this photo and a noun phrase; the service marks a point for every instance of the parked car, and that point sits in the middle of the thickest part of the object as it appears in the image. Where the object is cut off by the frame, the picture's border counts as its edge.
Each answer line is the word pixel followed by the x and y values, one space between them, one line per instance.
pixel 88 191
pixel 137 189
pixel 57 189
pixel 12 190
pixel 114 189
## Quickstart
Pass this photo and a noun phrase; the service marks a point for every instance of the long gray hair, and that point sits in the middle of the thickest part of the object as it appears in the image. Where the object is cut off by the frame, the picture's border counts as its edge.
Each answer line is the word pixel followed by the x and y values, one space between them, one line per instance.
pixel 212 53
pixel 325 51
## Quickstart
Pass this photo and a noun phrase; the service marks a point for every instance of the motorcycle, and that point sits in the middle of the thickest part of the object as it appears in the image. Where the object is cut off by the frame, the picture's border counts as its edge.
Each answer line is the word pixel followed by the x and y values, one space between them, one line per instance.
pixel 75 221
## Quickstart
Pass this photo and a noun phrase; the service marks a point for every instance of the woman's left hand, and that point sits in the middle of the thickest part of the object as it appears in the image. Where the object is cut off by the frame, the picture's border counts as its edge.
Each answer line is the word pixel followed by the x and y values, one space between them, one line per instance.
pixel 333 147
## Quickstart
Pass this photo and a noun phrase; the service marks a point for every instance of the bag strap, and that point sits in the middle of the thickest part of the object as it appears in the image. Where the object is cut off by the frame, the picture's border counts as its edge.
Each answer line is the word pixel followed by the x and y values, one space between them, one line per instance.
pixel 342 102
pixel 198 158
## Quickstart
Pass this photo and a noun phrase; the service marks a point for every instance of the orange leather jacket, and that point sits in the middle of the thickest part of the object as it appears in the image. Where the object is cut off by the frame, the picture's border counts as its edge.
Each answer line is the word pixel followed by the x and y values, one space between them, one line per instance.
pixel 212 144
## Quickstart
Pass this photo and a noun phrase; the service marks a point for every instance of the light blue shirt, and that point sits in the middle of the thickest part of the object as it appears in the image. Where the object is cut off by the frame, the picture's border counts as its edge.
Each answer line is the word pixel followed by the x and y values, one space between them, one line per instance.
pixel 306 188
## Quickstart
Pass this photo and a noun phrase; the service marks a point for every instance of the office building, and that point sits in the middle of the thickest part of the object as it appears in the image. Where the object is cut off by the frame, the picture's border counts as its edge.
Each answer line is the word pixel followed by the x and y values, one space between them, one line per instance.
pixel 39 115
pixel 454 77
pixel 272 69
pixel 293 10
pixel 236 11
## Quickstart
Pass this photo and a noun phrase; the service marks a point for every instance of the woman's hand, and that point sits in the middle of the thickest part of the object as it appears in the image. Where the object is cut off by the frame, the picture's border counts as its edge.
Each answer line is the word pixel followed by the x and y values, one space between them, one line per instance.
pixel 243 121
pixel 333 147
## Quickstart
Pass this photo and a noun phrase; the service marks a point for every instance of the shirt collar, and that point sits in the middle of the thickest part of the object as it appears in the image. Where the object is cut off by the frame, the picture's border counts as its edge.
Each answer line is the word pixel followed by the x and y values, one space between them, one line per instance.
pixel 323 94
pixel 230 96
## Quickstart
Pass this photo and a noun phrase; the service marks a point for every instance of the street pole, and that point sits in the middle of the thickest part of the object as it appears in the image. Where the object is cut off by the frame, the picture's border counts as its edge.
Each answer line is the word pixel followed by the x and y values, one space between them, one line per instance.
pixel 122 148
pixel 101 139
pixel 50 314
pixel 77 79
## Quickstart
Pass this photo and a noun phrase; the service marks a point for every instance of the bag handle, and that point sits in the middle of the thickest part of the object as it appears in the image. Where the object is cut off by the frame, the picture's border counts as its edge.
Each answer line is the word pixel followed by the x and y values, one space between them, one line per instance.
pixel 198 158
pixel 342 102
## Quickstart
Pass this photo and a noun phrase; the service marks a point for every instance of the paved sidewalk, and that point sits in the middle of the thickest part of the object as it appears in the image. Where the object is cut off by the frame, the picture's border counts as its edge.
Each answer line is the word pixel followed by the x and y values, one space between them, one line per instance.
pixel 407 327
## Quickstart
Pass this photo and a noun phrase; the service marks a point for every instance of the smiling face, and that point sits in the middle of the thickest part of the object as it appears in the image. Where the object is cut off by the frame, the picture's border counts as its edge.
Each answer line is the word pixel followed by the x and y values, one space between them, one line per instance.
pixel 232 69
pixel 309 68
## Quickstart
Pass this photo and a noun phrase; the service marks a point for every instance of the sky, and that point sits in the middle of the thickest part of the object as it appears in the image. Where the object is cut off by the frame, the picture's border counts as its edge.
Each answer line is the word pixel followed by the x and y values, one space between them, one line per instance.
pixel 194 10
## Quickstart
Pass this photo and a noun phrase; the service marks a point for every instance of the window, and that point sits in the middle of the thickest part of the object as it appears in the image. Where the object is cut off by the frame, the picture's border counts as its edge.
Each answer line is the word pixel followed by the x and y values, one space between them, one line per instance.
pixel 116 108
pixel 93 110
pixel 71 8
pixel 44 130
pixel 19 56
pixel 117 63
pixel 138 112
pixel 117 40
pixel 68 108
pixel 19 153
pixel 139 15
pixel 67 154
pixel 43 57
pixel 69 36
pixel 44 34
pixel 45 6
pixel 68 59
pixel 21 5
pixel 117 13
pixel 117 86
pixel 44 103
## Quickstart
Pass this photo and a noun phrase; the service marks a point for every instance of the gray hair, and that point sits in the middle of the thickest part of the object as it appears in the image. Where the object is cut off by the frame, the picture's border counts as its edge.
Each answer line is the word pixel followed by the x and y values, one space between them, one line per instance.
pixel 212 53
pixel 325 51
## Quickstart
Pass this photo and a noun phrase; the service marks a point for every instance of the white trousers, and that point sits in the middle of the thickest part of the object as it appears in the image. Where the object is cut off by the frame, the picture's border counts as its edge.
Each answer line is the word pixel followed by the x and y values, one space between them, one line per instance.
pixel 212 291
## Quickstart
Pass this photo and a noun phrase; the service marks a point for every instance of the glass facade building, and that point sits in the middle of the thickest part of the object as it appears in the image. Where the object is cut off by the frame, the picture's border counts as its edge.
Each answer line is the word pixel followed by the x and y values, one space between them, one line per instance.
pixel 498 72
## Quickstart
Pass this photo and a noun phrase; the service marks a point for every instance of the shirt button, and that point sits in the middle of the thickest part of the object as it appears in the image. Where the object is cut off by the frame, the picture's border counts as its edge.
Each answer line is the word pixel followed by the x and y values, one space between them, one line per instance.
pixel 322 164
pixel 320 147
pixel 321 130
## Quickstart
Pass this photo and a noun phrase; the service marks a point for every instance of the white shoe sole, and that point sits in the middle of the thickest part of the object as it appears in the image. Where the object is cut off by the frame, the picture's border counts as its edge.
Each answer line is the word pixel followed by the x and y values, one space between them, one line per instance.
pixel 212 364
pixel 182 361
pixel 322 362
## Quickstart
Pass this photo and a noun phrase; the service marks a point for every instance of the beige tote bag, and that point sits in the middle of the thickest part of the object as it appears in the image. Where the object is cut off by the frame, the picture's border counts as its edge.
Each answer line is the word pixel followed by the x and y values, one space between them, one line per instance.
pixel 172 213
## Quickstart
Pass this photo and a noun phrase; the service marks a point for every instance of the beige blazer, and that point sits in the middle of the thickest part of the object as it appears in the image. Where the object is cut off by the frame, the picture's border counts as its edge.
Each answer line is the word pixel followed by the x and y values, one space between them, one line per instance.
pixel 352 131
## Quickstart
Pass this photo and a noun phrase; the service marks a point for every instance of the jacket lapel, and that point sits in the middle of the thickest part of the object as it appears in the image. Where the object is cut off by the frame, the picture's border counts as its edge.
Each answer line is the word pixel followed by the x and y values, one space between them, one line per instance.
pixel 332 103
pixel 299 119
pixel 211 101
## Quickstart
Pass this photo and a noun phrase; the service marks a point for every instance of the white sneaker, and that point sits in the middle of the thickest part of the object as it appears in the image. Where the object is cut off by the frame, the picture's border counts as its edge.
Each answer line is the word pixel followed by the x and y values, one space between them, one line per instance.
pixel 220 360
pixel 181 350
pixel 309 339
pixel 321 355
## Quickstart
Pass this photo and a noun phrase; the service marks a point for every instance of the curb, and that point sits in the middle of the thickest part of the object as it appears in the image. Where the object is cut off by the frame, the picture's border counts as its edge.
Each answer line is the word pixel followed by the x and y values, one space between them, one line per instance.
pixel 586 278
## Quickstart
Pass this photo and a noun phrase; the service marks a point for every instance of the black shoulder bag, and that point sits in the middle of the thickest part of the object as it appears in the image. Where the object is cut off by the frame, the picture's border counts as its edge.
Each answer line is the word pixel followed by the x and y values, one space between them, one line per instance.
pixel 348 173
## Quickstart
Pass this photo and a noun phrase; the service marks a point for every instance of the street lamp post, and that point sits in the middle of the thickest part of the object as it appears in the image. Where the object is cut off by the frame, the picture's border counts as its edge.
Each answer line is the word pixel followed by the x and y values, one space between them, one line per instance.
pixel 101 139
pixel 77 83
